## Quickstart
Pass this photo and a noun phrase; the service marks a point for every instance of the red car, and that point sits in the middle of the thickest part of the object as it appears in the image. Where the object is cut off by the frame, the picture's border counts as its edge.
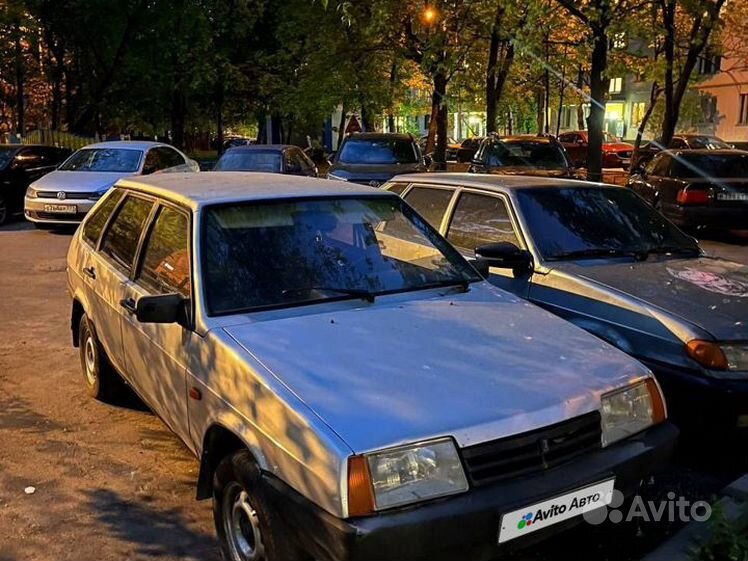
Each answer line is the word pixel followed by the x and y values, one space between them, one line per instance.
pixel 616 154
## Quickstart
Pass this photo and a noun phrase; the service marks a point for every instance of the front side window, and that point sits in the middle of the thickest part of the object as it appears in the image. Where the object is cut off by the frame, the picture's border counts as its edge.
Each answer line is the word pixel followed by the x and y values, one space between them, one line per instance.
pixel 120 241
pixel 170 158
pixel 6 155
pixel 378 151
pixel 250 160
pixel 99 216
pixel 120 160
pixel 280 254
pixel 479 220
pixel 430 203
pixel 525 154
pixel 166 261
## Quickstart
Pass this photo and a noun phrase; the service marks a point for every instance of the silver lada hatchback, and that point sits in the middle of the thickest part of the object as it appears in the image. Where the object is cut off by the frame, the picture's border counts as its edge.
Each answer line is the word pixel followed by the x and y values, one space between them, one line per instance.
pixel 351 386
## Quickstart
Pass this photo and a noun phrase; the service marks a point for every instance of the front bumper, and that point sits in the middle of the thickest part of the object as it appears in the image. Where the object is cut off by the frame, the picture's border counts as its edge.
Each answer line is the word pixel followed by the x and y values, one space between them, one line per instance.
pixel 41 210
pixel 466 526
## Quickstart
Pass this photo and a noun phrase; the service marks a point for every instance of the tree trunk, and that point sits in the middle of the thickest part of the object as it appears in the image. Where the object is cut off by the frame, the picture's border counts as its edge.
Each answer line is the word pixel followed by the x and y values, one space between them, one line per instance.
pixel 438 124
pixel 581 125
pixel 669 118
pixel 653 97
pixel 393 83
pixel 540 112
pixel 177 117
pixel 598 90
pixel 492 72
pixel 20 79
pixel 341 127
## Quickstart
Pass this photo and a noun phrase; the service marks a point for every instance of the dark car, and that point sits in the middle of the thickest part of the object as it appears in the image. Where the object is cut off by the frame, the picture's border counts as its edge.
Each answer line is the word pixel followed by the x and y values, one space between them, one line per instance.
pixel 602 258
pixel 20 165
pixel 268 158
pixel 680 142
pixel 541 156
pixel 468 148
pixel 452 149
pixel 696 188
pixel 616 154
pixel 374 158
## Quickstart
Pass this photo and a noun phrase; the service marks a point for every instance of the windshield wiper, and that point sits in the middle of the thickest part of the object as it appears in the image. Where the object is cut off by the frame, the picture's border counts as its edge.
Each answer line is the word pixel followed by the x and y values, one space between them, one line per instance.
pixel 355 292
pixel 596 252
pixel 673 250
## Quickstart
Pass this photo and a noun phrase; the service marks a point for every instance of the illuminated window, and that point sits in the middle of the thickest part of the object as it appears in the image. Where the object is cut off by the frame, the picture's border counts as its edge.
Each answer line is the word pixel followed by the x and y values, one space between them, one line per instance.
pixel 637 112
pixel 743 117
pixel 616 85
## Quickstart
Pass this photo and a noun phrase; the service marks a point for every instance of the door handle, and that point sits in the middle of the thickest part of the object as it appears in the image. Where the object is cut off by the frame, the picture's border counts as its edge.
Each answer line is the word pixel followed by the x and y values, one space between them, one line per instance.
pixel 129 305
pixel 89 272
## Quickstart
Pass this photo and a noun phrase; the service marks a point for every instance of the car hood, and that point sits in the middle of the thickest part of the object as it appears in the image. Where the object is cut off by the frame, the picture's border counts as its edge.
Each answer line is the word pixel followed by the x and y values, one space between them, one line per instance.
pixel 709 293
pixel 477 366
pixel 79 181
pixel 381 172
pixel 618 147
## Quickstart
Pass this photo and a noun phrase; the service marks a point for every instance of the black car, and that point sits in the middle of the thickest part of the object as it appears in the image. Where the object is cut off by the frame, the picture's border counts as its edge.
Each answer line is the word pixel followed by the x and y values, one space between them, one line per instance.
pixel 468 148
pixel 540 156
pixel 20 165
pixel 680 142
pixel 374 158
pixel 697 187
pixel 269 158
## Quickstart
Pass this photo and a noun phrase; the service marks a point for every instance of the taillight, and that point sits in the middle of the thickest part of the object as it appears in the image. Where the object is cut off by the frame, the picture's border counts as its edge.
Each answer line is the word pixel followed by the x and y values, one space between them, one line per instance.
pixel 693 197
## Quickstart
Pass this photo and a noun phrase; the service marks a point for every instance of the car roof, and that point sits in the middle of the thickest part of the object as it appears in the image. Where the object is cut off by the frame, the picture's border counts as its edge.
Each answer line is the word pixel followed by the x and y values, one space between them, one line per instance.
pixel 499 183
pixel 705 152
pixel 132 144
pixel 381 136
pixel 261 147
pixel 524 138
pixel 196 190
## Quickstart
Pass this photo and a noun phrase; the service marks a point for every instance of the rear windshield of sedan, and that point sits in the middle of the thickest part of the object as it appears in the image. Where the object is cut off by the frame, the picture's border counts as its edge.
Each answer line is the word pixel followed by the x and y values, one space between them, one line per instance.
pixel 565 222
pixel 378 151
pixel 123 160
pixel 710 165
pixel 289 253
pixel 250 160
pixel 527 154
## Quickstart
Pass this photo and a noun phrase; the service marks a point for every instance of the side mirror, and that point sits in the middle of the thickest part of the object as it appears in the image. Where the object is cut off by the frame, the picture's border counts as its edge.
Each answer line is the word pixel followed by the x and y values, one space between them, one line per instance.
pixel 638 170
pixel 164 308
pixel 480 266
pixel 504 255
pixel 580 142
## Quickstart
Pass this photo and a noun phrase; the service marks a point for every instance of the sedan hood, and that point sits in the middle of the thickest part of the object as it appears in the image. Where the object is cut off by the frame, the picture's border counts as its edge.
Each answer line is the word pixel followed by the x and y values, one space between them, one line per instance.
pixel 79 181
pixel 618 147
pixel 477 366
pixel 373 172
pixel 711 294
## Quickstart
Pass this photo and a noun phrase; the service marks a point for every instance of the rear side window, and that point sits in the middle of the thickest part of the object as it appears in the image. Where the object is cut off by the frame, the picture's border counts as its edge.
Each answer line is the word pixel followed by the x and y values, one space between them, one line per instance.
pixel 479 220
pixel 166 264
pixel 120 241
pixel 430 203
pixel 95 224
pixel 397 188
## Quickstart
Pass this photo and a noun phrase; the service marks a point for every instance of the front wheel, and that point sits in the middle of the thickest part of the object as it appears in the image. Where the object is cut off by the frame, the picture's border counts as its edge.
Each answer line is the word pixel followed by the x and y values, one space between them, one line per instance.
pixel 248 529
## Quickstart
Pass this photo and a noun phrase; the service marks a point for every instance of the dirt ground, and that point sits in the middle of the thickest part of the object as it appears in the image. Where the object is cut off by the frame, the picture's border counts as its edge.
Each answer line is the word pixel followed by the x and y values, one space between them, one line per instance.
pixel 110 483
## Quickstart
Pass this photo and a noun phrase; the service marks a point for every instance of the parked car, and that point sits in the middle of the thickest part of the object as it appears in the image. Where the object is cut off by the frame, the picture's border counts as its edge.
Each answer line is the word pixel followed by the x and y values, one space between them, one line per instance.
pixel 695 188
pixel 352 387
pixel 468 148
pixel 602 258
pixel 373 158
pixel 19 166
pixel 679 142
pixel 616 154
pixel 453 147
pixel 66 195
pixel 271 158
pixel 540 156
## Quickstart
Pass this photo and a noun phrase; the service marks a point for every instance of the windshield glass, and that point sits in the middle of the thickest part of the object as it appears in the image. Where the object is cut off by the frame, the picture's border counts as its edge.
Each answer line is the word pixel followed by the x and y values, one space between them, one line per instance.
pixel 609 138
pixel 378 151
pixel 708 142
pixel 280 254
pixel 250 160
pixel 710 165
pixel 6 155
pixel 567 221
pixel 525 154
pixel 122 160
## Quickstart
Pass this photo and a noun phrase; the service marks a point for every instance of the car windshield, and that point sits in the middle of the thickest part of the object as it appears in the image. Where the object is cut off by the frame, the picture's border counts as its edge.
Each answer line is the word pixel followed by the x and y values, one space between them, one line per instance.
pixel 289 253
pixel 687 165
pixel 250 160
pixel 378 151
pixel 529 154
pixel 572 222
pixel 609 138
pixel 6 155
pixel 708 142
pixel 104 159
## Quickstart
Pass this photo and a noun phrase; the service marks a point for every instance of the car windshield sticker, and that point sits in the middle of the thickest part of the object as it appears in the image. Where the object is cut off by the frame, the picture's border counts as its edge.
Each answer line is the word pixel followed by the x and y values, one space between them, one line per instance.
pixel 719 283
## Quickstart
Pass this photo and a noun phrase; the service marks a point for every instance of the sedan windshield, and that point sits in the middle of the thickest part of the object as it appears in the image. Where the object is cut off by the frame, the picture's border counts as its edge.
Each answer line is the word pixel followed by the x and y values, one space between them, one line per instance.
pixel 6 155
pixel 687 165
pixel 289 253
pixel 250 160
pixel 579 222
pixel 708 142
pixel 527 154
pixel 378 151
pixel 123 160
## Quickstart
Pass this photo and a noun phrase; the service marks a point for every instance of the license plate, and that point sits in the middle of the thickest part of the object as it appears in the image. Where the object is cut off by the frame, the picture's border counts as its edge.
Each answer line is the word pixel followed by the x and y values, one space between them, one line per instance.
pixel 732 196
pixel 542 515
pixel 62 209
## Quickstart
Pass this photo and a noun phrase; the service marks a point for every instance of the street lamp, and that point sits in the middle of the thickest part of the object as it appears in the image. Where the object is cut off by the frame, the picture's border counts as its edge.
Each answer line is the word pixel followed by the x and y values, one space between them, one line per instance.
pixel 429 15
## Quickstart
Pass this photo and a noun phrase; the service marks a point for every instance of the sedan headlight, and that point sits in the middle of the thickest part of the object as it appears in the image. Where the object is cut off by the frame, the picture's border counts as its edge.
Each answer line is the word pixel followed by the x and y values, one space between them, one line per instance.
pixel 31 193
pixel 630 410
pixel 722 360
pixel 332 175
pixel 98 194
pixel 404 475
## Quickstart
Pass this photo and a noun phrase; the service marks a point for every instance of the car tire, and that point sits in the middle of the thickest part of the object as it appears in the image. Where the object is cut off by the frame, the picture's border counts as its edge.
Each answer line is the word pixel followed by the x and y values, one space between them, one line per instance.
pixel 102 382
pixel 4 211
pixel 248 529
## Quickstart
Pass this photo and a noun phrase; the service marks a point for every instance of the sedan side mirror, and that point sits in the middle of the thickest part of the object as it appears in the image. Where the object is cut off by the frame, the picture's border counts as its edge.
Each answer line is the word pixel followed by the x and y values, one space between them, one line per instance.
pixel 504 255
pixel 428 160
pixel 164 308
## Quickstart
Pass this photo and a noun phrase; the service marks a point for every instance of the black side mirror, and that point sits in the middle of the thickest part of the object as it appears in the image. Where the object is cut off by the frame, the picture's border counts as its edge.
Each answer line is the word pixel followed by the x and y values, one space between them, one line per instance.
pixel 504 255
pixel 480 266
pixel 428 160
pixel 164 308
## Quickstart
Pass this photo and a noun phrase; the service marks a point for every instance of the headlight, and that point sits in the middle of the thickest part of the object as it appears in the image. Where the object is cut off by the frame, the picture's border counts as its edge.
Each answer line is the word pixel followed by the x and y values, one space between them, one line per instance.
pixel 404 475
pixel 98 194
pixel 31 193
pixel 722 360
pixel 630 410
pixel 337 177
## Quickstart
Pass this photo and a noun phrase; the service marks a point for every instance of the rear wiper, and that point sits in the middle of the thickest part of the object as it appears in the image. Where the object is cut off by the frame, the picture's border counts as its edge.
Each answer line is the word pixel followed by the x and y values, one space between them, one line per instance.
pixel 599 252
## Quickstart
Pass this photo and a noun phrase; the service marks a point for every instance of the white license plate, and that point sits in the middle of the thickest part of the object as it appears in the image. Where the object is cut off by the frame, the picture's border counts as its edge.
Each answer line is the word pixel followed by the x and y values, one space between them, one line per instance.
pixel 732 196
pixel 62 209
pixel 542 515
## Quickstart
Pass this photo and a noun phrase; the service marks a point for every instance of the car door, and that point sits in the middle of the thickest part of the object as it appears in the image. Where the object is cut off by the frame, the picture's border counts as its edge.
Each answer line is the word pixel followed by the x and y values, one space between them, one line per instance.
pixel 480 218
pixel 156 353
pixel 108 270
pixel 26 167
pixel 649 182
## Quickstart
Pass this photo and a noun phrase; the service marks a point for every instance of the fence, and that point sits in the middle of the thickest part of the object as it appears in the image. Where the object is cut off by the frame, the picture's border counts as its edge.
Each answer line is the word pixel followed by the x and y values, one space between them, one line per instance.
pixel 58 138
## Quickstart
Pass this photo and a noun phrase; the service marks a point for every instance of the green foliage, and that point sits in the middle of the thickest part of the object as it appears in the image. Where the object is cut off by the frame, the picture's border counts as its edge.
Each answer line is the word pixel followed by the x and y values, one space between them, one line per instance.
pixel 727 541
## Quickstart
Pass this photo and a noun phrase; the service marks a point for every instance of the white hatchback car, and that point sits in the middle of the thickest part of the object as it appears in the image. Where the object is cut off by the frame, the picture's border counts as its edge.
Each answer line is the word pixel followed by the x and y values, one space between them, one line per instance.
pixel 352 387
